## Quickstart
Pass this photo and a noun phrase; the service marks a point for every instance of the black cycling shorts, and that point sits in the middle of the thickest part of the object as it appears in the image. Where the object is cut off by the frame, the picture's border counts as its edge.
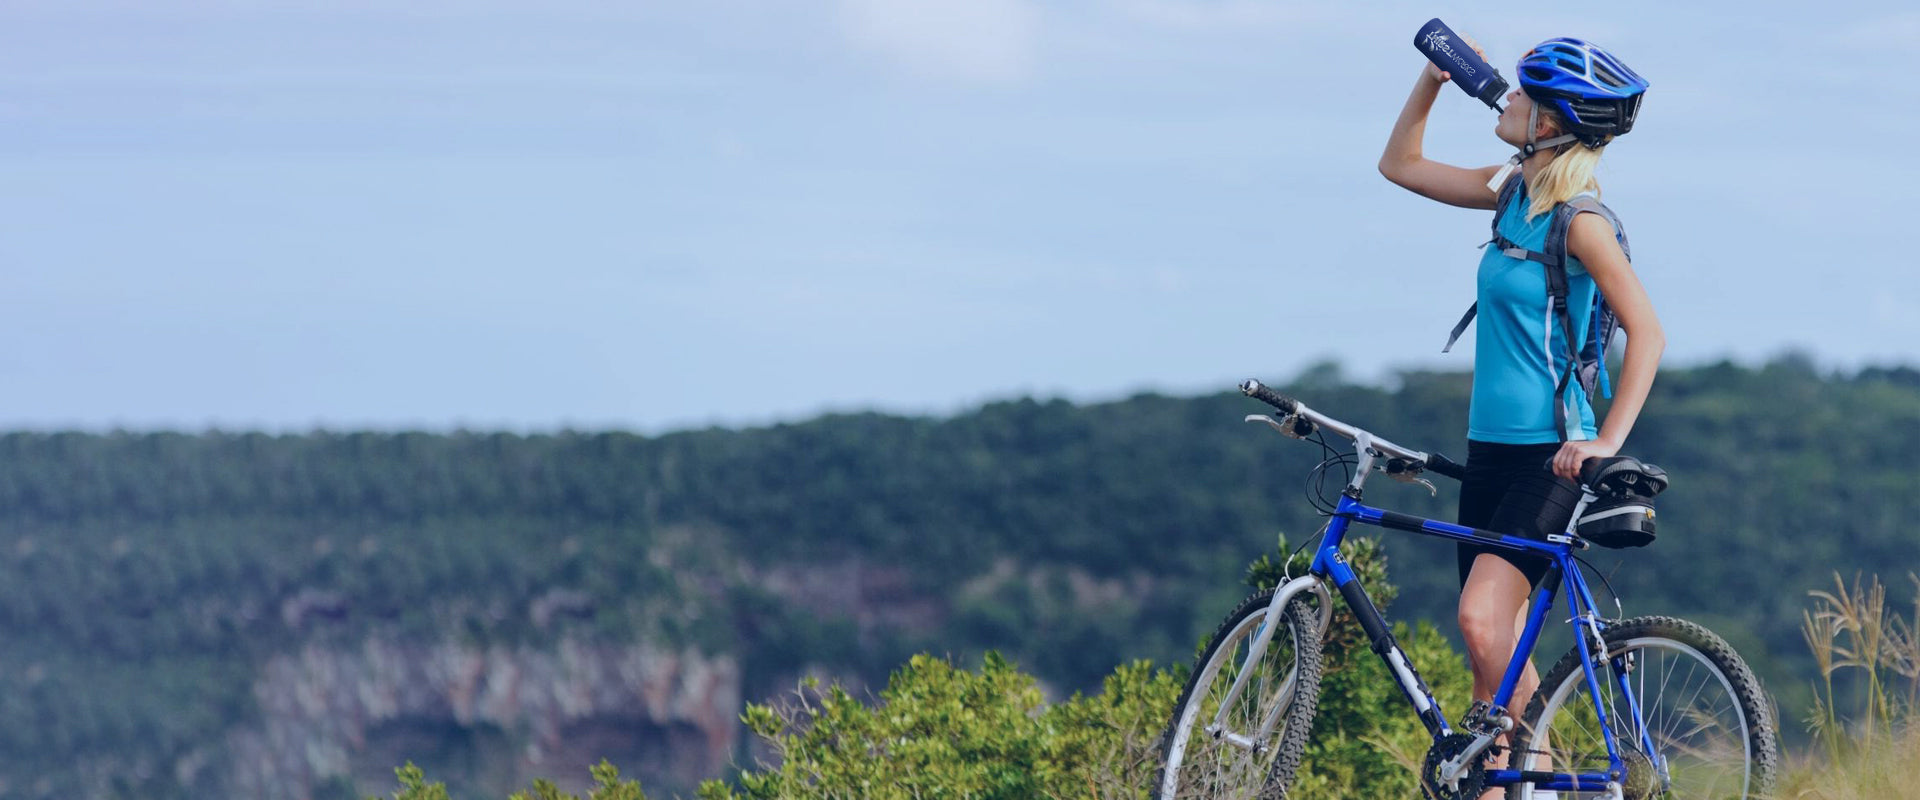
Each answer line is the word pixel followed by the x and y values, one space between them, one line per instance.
pixel 1509 488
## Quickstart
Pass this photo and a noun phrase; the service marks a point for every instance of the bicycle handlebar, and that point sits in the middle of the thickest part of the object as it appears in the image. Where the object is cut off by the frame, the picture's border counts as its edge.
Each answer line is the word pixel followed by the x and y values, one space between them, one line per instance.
pixel 1257 391
pixel 1291 407
pixel 1446 466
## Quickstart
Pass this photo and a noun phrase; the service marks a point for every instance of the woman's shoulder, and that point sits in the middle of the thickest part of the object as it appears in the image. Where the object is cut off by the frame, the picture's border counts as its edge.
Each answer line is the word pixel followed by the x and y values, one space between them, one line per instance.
pixel 1589 235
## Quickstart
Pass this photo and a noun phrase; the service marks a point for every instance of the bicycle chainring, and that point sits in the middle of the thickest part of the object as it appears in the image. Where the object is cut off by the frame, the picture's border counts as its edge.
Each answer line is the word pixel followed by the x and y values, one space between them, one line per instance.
pixel 1468 785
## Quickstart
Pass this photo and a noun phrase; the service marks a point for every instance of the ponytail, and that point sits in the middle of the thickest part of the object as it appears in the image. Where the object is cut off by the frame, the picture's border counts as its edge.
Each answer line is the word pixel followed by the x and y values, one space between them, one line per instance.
pixel 1568 174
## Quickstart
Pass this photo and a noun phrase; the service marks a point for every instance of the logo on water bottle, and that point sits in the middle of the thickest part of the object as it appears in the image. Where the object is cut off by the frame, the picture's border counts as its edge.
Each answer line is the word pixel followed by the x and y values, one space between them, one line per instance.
pixel 1437 41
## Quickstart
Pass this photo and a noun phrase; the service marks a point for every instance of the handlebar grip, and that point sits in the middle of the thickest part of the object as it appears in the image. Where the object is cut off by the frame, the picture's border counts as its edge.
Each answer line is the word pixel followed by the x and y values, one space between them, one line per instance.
pixel 1257 391
pixel 1445 466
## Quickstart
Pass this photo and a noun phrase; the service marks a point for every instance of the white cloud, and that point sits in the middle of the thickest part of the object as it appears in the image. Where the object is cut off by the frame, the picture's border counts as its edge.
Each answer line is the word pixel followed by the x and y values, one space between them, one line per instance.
pixel 984 41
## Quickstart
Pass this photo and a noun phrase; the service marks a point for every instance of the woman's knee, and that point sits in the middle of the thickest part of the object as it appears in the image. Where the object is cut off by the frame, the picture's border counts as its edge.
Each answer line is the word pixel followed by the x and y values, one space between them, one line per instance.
pixel 1484 626
pixel 1490 601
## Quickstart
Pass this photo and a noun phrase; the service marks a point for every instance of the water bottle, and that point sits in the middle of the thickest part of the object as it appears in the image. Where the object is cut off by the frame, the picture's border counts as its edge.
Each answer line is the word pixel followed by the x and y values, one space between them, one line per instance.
pixel 1453 56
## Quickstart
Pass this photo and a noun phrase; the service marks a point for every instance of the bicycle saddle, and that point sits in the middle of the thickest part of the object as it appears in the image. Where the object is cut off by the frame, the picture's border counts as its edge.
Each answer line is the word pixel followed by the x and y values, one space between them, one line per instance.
pixel 1618 475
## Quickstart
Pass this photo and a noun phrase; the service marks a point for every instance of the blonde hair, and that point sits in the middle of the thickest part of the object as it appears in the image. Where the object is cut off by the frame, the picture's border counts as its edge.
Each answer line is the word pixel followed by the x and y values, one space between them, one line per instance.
pixel 1568 174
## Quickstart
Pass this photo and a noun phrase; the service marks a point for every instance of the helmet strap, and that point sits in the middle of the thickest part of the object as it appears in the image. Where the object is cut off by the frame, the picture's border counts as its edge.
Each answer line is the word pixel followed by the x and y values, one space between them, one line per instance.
pixel 1527 150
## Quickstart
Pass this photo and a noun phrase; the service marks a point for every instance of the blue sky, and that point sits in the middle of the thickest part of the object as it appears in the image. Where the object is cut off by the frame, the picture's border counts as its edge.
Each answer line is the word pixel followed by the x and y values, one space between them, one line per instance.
pixel 289 215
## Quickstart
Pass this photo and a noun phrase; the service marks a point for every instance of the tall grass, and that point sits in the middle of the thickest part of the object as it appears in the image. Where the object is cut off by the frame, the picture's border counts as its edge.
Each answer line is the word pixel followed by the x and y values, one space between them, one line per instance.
pixel 1869 659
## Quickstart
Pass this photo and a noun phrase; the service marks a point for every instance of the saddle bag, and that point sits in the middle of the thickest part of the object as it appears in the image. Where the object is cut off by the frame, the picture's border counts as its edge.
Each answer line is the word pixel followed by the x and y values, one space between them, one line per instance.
pixel 1625 521
pixel 1622 515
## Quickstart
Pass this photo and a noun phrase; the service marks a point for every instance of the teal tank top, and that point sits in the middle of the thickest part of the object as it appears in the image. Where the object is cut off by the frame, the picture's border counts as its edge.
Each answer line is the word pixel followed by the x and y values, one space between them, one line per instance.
pixel 1520 352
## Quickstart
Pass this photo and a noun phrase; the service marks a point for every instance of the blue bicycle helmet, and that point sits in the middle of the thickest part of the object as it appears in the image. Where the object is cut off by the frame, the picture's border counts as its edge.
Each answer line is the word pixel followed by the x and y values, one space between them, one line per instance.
pixel 1594 92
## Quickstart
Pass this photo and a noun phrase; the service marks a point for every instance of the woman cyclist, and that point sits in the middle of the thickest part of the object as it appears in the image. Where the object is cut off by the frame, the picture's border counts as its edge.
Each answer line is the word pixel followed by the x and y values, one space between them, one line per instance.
pixel 1573 99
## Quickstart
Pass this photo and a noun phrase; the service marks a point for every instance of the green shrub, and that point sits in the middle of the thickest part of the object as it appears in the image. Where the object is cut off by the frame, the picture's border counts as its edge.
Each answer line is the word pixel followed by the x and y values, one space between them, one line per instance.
pixel 414 785
pixel 606 786
pixel 938 731
pixel 606 778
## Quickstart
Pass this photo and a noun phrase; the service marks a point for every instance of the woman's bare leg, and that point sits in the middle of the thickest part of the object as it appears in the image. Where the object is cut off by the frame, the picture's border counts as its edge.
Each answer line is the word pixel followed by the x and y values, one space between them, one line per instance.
pixel 1493 606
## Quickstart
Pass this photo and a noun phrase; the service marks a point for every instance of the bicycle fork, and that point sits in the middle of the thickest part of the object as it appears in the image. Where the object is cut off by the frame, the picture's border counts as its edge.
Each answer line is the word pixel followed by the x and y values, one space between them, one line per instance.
pixel 1276 611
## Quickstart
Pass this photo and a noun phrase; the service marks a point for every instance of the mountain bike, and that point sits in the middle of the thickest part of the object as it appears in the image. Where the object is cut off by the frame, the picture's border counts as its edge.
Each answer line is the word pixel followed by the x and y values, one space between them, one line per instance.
pixel 1649 707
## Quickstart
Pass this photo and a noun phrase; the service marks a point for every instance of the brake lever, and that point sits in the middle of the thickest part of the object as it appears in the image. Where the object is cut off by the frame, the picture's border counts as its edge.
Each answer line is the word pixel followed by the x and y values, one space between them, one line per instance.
pixel 1431 490
pixel 1290 426
pixel 1403 472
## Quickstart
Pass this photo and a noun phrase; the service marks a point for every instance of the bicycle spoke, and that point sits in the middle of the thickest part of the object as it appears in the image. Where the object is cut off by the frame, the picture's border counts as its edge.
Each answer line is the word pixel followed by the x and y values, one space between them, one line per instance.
pixel 1688 709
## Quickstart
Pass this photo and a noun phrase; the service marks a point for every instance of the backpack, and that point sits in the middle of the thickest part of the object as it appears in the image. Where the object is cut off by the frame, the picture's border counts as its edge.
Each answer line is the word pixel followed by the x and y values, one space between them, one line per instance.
pixel 1590 364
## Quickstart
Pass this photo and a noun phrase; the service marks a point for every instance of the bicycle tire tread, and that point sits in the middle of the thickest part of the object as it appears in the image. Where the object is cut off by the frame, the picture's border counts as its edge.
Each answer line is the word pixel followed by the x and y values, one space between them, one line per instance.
pixel 1299 721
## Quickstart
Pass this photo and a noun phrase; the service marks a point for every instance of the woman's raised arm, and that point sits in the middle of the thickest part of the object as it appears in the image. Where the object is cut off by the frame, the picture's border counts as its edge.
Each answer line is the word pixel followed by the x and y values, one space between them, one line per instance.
pixel 1405 165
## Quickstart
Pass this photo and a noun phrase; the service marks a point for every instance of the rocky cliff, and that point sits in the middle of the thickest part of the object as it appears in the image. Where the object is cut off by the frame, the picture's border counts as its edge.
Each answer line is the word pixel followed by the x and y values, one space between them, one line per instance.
pixel 336 722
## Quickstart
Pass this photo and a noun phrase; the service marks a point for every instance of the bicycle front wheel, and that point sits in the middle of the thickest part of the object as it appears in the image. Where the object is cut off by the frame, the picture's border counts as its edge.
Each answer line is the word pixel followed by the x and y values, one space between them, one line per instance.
pixel 1703 728
pixel 1224 744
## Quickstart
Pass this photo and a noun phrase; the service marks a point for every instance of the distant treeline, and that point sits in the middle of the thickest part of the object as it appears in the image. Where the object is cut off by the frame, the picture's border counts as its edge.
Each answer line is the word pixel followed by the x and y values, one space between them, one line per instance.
pixel 145 576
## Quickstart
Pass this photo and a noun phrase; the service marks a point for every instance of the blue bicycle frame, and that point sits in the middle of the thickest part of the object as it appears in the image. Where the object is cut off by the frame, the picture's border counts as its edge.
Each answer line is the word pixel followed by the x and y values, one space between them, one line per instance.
pixel 1328 563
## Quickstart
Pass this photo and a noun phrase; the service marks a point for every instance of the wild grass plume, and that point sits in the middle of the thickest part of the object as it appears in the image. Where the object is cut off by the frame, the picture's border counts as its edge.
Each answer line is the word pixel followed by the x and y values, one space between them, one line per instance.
pixel 1869 664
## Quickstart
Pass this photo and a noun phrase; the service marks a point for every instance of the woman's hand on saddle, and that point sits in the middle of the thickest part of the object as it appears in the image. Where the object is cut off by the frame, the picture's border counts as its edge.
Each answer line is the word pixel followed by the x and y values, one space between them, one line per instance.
pixel 1573 455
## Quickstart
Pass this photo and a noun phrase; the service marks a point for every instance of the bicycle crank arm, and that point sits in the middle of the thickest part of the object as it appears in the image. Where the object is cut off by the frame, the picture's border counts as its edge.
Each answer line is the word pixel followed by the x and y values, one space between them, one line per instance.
pixel 1453 768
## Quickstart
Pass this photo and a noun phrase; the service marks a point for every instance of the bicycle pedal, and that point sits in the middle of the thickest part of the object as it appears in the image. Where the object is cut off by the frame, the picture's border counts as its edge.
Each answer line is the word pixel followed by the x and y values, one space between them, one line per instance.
pixel 1483 717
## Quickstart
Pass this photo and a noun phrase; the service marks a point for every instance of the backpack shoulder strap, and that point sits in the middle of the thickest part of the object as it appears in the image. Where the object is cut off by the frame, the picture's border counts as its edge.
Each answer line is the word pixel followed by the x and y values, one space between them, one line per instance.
pixel 1556 244
pixel 1545 255
pixel 1513 186
pixel 1461 326
pixel 1556 269
pixel 1515 183
pixel 1555 249
pixel 1593 351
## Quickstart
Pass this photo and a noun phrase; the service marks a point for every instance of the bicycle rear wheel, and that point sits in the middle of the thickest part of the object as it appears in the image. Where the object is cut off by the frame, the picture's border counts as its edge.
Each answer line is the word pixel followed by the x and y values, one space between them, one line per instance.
pixel 1256 746
pixel 1709 722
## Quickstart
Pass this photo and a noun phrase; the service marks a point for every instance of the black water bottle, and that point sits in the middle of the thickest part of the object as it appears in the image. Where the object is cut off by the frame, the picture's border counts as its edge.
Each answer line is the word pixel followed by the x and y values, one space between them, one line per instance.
pixel 1453 56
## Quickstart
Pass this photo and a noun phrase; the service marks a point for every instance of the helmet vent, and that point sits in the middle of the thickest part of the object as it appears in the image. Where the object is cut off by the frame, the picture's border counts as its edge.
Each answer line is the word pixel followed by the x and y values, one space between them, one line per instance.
pixel 1607 76
pixel 1600 114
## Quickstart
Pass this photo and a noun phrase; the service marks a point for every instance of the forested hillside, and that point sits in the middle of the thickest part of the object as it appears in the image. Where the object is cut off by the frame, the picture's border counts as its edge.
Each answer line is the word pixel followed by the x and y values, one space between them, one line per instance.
pixel 192 613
